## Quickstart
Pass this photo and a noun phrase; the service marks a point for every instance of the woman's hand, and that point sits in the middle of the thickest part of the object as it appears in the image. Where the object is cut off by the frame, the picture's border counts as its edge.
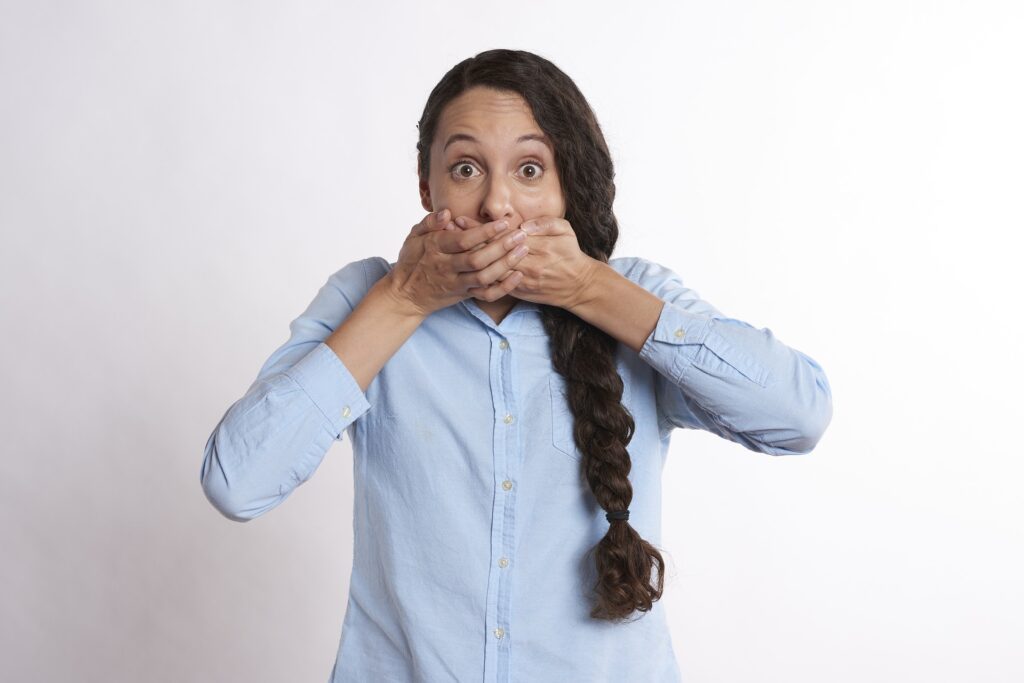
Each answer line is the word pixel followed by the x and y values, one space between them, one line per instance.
pixel 555 272
pixel 438 265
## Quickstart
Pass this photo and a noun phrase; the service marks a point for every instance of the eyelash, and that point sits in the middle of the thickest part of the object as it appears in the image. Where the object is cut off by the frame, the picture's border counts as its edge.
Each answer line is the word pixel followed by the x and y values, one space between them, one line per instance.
pixel 451 169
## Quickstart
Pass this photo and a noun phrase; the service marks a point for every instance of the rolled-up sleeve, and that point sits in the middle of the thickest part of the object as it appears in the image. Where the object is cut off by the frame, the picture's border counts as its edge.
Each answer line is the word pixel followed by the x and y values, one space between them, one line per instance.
pixel 728 377
pixel 304 398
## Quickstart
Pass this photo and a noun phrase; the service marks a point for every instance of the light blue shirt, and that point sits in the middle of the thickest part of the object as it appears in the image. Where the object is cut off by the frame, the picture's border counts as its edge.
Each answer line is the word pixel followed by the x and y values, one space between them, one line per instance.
pixel 471 517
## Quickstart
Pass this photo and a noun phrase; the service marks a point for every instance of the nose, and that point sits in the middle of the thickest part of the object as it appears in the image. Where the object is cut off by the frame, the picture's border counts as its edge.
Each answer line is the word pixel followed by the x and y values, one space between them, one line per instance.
pixel 497 200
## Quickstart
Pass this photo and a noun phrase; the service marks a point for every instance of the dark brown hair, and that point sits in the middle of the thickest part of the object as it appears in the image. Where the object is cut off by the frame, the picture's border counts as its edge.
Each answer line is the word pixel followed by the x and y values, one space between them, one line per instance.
pixel 583 354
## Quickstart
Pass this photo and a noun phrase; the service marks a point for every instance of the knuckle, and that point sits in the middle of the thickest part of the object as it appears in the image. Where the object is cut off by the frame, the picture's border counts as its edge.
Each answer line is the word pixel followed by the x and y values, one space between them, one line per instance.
pixel 476 260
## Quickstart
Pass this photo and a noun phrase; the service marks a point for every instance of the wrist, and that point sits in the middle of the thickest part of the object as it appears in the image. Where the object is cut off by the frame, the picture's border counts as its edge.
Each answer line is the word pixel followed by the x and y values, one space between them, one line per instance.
pixel 388 288
pixel 591 285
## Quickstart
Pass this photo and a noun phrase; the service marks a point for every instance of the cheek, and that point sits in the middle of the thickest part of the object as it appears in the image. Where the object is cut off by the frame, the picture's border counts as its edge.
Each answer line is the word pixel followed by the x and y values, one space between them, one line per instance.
pixel 553 201
pixel 547 205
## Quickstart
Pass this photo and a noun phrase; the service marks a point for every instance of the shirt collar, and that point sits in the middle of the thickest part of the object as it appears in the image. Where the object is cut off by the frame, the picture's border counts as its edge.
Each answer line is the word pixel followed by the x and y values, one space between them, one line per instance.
pixel 523 318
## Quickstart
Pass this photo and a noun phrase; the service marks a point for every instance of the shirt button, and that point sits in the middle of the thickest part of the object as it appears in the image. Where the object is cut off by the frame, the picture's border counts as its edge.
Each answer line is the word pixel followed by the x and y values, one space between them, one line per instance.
pixel 346 411
pixel 679 333
pixel 507 485
pixel 503 344
pixel 508 418
pixel 503 562
pixel 499 632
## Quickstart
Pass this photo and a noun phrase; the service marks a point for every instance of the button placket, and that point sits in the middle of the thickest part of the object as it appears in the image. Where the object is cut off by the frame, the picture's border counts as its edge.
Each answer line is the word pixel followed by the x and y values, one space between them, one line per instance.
pixel 503 369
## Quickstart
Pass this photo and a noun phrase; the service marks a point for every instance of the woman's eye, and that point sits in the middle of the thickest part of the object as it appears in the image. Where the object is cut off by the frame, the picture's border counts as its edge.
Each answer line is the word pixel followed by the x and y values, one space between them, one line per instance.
pixel 536 173
pixel 462 169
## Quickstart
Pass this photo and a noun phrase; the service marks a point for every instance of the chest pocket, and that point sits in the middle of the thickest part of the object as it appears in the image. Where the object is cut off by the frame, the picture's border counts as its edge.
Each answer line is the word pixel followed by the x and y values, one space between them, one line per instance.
pixel 562 419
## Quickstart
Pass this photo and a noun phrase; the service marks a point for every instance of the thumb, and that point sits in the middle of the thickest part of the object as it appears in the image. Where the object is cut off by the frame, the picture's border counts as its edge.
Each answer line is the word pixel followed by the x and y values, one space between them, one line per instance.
pixel 465 222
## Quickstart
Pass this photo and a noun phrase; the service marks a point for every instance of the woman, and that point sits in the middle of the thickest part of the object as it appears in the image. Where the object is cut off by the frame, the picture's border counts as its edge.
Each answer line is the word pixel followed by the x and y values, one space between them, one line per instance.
pixel 509 391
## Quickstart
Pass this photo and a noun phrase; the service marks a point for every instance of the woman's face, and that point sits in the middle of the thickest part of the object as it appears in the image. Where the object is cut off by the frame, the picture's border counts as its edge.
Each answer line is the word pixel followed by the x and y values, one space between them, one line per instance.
pixel 490 160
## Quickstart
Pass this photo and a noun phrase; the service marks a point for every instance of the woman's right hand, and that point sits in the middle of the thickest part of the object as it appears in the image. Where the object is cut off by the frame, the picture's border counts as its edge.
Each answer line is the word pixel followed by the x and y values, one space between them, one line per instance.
pixel 439 262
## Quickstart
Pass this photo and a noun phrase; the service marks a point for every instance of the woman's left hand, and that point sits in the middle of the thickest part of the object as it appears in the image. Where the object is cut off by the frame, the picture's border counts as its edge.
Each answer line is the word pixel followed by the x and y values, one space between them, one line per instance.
pixel 555 271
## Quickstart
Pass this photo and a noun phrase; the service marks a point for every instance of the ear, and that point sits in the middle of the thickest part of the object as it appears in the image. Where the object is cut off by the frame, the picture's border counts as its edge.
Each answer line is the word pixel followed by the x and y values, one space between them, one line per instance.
pixel 425 201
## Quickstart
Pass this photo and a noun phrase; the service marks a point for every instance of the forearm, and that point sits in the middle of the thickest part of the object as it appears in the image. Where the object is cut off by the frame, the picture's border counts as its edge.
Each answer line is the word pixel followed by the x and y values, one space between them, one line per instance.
pixel 373 332
pixel 713 372
pixel 618 306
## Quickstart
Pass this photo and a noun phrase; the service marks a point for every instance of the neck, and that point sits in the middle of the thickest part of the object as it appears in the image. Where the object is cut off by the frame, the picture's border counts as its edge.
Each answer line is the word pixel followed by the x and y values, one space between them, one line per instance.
pixel 497 309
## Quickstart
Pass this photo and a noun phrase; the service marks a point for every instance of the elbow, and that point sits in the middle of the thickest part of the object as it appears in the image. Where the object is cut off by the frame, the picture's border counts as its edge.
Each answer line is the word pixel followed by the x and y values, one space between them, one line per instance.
pixel 822 418
pixel 225 504
pixel 808 438
pixel 221 489
pixel 819 416
pixel 813 423
pixel 809 424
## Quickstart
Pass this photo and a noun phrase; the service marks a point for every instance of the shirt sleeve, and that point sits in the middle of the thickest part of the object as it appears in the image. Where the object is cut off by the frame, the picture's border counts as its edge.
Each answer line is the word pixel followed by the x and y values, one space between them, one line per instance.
pixel 273 438
pixel 728 377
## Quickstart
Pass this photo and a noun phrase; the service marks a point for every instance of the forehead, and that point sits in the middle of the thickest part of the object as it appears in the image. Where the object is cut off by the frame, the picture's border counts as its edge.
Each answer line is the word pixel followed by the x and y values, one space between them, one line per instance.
pixel 498 116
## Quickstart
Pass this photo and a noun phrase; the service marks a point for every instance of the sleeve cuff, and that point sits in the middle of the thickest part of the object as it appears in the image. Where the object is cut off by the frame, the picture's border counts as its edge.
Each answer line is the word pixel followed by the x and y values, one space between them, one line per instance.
pixel 331 387
pixel 675 340
pixel 674 345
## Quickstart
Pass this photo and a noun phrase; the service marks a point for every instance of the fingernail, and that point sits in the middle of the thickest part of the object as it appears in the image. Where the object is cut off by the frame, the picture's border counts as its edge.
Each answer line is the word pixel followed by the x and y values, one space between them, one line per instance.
pixel 442 215
pixel 501 225
pixel 520 250
pixel 461 221
pixel 529 227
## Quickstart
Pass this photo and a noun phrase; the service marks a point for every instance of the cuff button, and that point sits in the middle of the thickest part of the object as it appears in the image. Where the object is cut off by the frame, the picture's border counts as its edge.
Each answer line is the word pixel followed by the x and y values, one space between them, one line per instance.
pixel 346 411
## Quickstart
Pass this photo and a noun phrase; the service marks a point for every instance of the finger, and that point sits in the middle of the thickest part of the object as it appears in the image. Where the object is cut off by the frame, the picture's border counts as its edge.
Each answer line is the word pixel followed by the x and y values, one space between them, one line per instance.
pixel 546 225
pixel 498 289
pixel 432 221
pixel 465 222
pixel 457 241
pixel 486 276
pixel 533 226
pixel 488 252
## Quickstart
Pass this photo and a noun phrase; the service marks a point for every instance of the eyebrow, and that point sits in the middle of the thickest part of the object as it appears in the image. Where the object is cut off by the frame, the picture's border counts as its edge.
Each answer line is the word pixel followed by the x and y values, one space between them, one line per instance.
pixel 469 138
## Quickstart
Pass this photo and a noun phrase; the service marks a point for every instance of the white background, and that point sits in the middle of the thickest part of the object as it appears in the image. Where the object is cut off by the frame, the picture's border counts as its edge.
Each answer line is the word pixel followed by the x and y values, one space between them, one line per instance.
pixel 178 179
